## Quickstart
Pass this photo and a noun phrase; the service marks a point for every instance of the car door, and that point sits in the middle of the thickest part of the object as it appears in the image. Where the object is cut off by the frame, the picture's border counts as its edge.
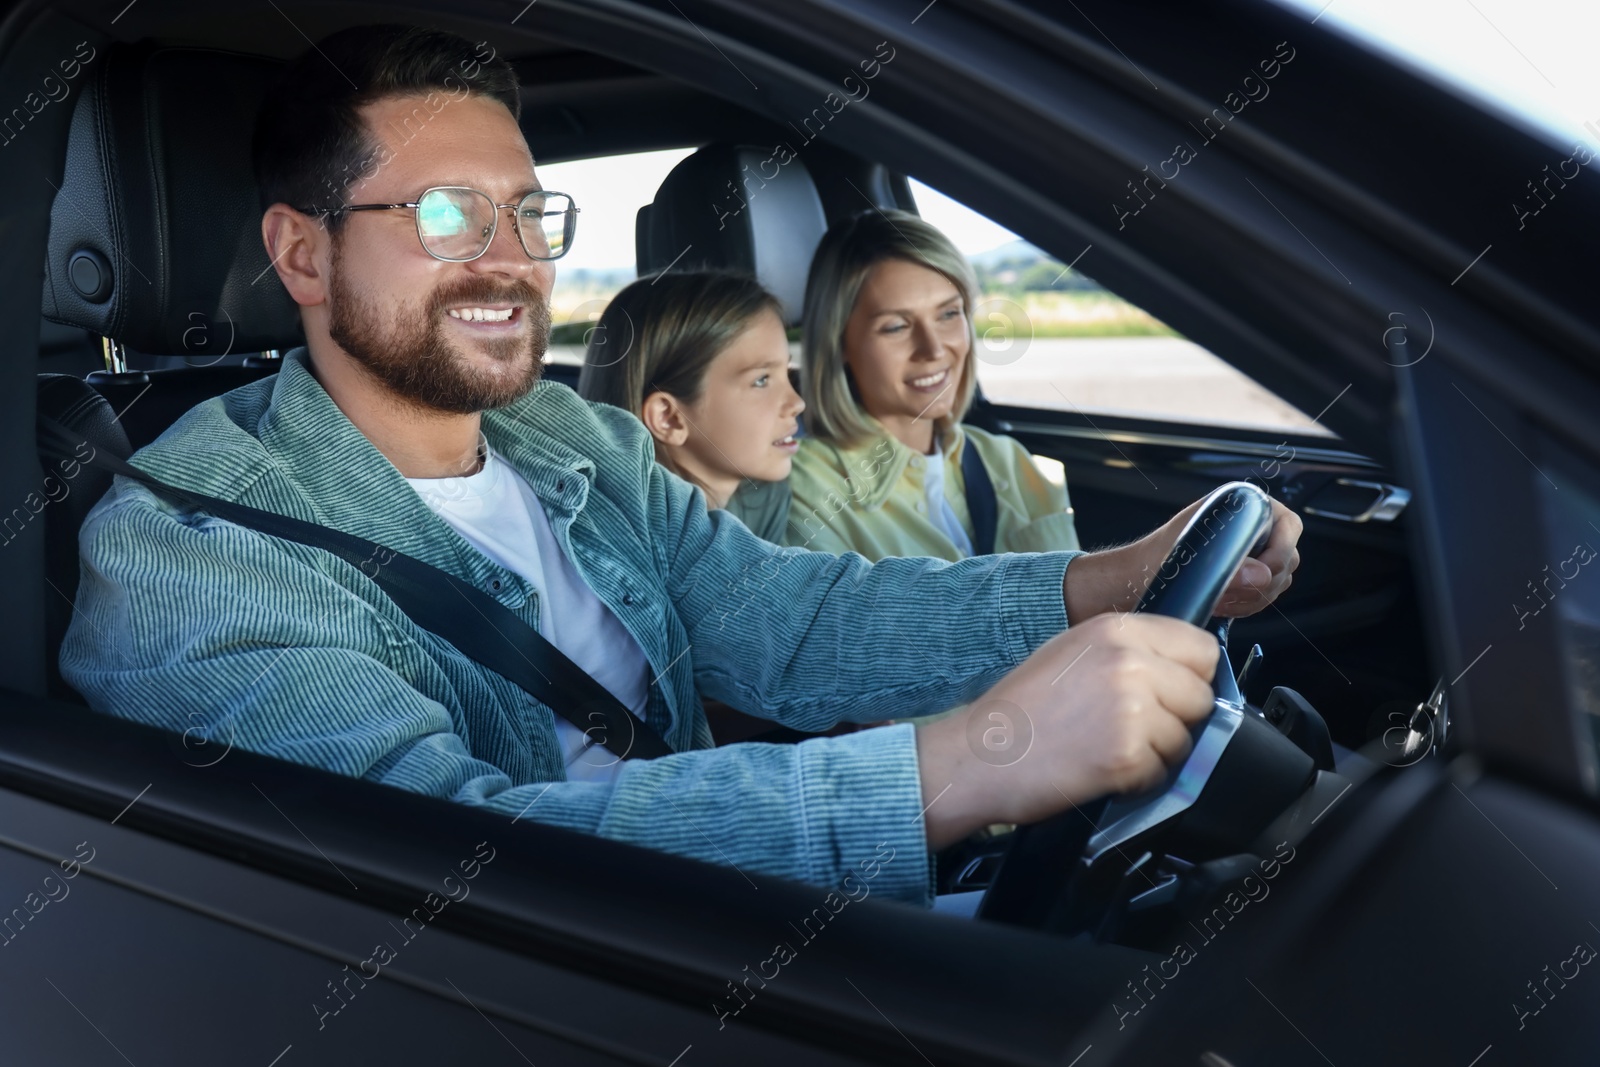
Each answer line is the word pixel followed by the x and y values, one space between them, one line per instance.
pixel 1412 923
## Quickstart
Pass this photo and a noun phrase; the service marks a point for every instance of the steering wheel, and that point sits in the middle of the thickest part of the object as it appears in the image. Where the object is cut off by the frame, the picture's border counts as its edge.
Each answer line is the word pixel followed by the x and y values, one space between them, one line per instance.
pixel 1062 873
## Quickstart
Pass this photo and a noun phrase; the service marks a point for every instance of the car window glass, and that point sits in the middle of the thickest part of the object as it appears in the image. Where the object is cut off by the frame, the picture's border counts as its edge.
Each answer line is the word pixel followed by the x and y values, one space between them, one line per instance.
pixel 1050 336
pixel 609 191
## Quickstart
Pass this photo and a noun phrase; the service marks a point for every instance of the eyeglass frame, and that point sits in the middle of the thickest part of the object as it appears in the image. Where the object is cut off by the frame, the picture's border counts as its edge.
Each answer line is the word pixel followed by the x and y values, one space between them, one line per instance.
pixel 570 227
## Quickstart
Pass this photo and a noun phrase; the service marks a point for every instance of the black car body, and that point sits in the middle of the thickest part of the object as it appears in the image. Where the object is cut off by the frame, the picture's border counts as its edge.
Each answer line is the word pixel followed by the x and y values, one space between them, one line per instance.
pixel 172 901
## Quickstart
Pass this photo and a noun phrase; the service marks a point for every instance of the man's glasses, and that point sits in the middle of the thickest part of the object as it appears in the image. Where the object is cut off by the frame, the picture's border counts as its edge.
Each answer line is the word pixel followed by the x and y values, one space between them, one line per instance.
pixel 457 224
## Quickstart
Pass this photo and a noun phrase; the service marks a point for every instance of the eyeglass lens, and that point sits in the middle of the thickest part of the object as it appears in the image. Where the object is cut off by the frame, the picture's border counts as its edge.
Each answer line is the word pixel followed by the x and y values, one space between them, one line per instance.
pixel 457 224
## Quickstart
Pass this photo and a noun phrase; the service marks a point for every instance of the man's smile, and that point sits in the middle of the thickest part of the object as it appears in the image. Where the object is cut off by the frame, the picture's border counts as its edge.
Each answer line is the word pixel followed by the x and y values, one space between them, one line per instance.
pixel 496 317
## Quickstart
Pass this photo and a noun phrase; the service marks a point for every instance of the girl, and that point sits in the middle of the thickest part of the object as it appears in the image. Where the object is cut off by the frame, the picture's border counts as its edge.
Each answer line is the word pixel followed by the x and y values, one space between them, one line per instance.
pixel 703 361
pixel 887 374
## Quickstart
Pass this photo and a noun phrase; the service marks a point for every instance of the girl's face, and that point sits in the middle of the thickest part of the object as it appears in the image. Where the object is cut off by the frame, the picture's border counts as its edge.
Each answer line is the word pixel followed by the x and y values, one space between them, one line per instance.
pixel 744 421
pixel 906 342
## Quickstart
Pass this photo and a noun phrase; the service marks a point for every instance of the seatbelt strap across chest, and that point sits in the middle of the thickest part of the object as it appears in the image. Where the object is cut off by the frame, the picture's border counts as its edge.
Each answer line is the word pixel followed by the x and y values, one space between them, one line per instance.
pixel 479 626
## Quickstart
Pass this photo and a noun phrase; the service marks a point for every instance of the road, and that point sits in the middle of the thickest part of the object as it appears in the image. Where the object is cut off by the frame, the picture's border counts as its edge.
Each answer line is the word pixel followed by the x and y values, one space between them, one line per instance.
pixel 1150 377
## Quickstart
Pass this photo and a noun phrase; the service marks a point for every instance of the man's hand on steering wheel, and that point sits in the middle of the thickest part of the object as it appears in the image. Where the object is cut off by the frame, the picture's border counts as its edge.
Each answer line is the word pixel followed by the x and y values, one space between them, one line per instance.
pixel 1105 707
pixel 1133 719
pixel 1115 579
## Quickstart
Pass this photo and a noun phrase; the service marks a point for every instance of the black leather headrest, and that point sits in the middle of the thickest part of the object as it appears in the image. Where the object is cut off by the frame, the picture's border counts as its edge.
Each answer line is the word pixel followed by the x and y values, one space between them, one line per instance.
pixel 155 235
pixel 736 207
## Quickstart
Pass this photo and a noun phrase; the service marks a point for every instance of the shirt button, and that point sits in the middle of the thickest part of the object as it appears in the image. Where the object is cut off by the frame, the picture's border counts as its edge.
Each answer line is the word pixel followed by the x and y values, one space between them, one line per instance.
pixel 494 584
pixel 561 487
pixel 627 598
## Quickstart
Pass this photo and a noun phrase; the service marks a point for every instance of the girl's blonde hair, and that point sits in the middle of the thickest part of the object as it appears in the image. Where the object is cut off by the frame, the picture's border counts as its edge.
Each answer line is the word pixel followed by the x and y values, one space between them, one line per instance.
pixel 843 260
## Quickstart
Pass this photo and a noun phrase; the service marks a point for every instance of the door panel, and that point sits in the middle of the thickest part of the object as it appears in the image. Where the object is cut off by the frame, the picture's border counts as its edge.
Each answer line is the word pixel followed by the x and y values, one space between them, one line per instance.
pixel 1434 920
pixel 178 957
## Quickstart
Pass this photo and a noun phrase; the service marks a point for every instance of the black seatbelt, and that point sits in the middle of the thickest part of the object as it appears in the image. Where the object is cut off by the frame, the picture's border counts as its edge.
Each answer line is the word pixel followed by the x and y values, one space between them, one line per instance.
pixel 479 626
pixel 980 499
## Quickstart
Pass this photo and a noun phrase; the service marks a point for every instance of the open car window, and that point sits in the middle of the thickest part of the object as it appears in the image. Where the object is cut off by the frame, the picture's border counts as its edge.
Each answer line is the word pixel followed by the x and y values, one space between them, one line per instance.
pixel 1050 336
pixel 609 191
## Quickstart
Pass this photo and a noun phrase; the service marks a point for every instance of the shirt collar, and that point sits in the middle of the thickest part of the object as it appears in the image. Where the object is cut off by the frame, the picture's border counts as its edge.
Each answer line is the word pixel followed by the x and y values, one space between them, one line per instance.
pixel 352 487
pixel 874 467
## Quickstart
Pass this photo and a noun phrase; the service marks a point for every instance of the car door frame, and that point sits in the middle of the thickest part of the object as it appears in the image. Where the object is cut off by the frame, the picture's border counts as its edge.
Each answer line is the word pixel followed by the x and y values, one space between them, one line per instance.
pixel 1333 327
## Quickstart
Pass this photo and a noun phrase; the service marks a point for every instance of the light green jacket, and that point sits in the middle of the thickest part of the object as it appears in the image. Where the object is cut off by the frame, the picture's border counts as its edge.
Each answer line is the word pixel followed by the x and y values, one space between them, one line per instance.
pixel 871 498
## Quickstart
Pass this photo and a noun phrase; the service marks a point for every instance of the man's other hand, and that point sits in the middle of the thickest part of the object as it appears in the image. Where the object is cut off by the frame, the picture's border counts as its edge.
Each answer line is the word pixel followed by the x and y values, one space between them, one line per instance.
pixel 1104 707
pixel 1115 579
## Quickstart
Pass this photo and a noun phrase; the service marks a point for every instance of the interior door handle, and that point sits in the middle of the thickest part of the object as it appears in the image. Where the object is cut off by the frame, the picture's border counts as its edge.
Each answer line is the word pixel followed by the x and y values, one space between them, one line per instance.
pixel 1388 501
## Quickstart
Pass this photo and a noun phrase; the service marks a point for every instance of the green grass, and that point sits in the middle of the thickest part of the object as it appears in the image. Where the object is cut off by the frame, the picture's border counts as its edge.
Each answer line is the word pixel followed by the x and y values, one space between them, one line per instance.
pixel 1098 329
pixel 1002 315
pixel 569 333
pixel 1047 313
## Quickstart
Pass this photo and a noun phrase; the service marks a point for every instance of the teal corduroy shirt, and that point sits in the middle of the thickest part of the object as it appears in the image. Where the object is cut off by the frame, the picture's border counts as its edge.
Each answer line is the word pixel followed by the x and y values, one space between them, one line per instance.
pixel 189 622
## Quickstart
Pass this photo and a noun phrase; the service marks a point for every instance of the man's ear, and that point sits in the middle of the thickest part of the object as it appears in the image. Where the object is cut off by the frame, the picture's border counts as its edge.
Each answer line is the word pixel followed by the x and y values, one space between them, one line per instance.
pixel 295 245
pixel 662 415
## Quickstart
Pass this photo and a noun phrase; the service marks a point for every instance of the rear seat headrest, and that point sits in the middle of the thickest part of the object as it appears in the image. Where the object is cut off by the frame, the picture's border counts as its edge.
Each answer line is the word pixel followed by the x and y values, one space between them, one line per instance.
pixel 736 207
pixel 155 235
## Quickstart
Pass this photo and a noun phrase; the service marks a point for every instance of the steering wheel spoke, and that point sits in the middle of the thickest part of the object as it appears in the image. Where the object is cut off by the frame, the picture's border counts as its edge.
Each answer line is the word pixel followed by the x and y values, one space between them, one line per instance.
pixel 1078 870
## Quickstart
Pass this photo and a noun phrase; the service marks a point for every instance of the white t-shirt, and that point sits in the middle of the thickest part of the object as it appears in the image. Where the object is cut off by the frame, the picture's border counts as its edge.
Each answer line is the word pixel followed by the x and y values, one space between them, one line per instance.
pixel 939 509
pixel 497 512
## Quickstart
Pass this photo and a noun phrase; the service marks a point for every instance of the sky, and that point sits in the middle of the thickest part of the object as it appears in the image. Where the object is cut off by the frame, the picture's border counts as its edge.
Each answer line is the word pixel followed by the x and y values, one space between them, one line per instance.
pixel 1532 59
pixel 609 192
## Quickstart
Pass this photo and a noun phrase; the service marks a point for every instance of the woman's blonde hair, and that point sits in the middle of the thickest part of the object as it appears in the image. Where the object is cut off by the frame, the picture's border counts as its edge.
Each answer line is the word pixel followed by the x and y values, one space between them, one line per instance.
pixel 843 260
pixel 662 332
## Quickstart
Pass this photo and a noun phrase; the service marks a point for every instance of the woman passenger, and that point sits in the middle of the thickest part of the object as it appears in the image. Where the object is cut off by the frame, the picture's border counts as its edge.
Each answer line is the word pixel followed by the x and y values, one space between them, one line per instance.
pixel 887 374
pixel 702 359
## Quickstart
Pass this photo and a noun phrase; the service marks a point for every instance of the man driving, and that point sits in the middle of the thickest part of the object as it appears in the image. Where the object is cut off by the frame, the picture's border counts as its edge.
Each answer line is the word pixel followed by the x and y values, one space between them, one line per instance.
pixel 404 215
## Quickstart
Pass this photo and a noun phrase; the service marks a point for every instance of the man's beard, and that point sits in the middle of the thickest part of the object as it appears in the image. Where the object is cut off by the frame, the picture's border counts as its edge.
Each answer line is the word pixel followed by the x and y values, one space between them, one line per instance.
pixel 411 355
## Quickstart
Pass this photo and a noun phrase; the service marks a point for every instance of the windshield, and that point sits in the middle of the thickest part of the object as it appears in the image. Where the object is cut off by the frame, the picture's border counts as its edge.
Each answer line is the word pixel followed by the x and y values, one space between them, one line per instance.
pixel 1531 61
